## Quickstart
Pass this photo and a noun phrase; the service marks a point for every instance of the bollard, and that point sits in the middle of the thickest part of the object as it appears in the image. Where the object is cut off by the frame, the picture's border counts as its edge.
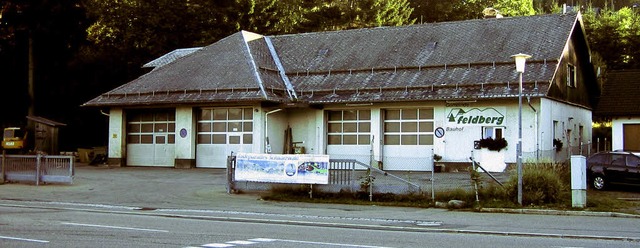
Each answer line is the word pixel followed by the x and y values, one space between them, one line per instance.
pixel 578 181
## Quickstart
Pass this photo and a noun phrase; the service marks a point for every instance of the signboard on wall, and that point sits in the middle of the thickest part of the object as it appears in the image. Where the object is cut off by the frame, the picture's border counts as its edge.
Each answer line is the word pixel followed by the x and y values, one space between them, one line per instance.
pixel 282 168
pixel 476 116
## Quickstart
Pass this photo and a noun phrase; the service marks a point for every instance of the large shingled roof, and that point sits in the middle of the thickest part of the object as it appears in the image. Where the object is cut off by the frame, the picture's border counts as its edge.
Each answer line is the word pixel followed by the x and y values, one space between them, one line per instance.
pixel 435 61
pixel 620 95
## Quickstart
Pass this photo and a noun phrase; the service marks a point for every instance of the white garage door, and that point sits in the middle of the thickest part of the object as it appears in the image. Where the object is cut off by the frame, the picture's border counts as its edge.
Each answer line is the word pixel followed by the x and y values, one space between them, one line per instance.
pixel 349 134
pixel 408 139
pixel 151 138
pixel 220 132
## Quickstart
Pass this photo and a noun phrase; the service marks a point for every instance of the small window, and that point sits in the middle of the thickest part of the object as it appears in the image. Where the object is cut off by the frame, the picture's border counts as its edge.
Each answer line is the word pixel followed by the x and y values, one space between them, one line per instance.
pixel 492 132
pixel 571 76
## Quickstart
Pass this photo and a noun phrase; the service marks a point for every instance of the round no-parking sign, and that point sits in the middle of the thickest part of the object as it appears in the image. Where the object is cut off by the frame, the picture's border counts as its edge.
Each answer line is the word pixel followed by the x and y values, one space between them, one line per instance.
pixel 439 132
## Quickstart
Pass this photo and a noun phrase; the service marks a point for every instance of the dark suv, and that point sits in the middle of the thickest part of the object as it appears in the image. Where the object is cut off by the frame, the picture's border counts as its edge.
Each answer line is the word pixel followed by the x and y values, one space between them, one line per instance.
pixel 614 167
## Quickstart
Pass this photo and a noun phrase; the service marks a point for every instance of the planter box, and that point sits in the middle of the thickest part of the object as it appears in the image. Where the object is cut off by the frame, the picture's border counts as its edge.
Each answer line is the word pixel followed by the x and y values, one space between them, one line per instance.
pixel 492 161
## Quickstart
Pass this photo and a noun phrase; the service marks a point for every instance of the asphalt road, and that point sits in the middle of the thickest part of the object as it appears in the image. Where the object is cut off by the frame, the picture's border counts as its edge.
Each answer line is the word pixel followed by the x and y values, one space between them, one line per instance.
pixel 160 207
pixel 58 227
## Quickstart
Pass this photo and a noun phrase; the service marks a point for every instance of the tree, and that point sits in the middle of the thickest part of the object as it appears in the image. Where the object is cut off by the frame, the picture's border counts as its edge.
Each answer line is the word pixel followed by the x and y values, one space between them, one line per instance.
pixel 37 38
pixel 515 7
pixel 438 11
pixel 340 15
pixel 614 36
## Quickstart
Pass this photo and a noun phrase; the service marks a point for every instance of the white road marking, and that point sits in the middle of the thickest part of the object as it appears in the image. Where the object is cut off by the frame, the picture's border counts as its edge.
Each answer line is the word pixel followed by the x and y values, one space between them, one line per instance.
pixel 241 242
pixel 332 244
pixel 23 239
pixel 263 240
pixel 215 245
pixel 114 227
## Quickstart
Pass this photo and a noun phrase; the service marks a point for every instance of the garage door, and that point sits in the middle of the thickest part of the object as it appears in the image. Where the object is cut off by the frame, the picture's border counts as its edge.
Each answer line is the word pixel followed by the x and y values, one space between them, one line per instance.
pixel 349 134
pixel 631 133
pixel 222 131
pixel 408 139
pixel 151 138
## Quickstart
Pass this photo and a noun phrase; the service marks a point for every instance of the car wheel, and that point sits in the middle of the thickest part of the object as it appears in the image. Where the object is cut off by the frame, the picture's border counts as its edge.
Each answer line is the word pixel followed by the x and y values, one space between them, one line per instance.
pixel 598 182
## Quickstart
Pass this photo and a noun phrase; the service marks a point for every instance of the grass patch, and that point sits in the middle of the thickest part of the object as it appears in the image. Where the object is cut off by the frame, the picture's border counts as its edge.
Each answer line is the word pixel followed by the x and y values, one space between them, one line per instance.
pixel 300 193
pixel 545 186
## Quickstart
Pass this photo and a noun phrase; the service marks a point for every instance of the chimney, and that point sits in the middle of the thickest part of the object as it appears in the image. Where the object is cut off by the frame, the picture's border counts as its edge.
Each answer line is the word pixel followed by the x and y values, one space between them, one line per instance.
pixel 491 13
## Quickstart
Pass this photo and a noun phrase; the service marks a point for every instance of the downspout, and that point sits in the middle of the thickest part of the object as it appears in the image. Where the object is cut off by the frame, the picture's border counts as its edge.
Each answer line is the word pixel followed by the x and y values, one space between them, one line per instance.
pixel 267 148
pixel 536 126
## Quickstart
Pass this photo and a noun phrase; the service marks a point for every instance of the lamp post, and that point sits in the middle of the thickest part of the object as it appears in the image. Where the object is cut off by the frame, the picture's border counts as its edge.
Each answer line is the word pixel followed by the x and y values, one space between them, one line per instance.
pixel 520 58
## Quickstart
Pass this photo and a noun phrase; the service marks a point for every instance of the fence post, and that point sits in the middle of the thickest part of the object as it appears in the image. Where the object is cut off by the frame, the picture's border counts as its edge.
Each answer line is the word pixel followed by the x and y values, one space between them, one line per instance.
pixel 230 170
pixel 38 169
pixel 4 161
pixel 433 191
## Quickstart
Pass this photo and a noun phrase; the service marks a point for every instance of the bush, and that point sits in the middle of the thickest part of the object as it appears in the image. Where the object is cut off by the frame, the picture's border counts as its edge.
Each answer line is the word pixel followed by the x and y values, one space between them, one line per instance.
pixel 540 186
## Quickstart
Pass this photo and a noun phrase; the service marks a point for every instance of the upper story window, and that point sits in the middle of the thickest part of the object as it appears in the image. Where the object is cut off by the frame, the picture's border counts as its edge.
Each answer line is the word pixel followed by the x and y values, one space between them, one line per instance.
pixel 571 76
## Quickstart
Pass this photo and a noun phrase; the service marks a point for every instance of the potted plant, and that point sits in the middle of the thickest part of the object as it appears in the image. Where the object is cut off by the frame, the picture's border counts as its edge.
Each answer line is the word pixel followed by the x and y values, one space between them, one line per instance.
pixel 493 144
pixel 437 167
pixel 557 143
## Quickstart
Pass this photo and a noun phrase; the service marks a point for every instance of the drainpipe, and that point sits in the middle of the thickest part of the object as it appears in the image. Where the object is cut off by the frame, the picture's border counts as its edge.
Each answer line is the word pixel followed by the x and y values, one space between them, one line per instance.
pixel 536 127
pixel 267 148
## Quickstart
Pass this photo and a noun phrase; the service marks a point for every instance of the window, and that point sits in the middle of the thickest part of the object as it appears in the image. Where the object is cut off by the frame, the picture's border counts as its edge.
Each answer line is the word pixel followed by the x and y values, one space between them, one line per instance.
pixel 349 127
pixel 571 76
pixel 633 161
pixel 143 125
pixel 215 125
pixel 408 127
pixel 493 132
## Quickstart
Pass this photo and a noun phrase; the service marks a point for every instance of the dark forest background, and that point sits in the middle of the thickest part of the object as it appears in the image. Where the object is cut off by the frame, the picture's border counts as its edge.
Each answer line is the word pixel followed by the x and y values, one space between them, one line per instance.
pixel 56 55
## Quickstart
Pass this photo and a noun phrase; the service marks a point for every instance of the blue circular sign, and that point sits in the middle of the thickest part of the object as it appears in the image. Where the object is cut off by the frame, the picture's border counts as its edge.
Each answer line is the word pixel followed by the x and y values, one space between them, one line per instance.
pixel 183 133
pixel 439 132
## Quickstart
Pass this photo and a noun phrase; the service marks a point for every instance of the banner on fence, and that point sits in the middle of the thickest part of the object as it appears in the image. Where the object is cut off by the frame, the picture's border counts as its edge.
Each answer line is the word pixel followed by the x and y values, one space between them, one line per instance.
pixel 282 168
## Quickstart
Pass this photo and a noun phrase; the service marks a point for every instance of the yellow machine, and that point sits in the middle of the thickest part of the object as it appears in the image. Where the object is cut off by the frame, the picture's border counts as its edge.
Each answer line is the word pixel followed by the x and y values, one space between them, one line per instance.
pixel 14 138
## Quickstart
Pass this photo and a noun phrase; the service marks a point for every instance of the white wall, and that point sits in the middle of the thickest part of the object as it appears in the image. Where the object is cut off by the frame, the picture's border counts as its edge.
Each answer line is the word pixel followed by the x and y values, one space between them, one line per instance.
pixel 617 131
pixel 185 146
pixel 117 133
pixel 305 127
pixel 568 117
pixel 537 127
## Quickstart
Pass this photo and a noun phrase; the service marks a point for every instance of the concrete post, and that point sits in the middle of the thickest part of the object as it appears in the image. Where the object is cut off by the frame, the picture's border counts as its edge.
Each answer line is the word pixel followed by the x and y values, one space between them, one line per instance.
pixel 578 181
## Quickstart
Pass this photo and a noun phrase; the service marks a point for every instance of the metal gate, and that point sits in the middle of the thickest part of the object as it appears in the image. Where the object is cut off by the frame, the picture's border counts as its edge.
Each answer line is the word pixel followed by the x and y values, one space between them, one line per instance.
pixel 38 168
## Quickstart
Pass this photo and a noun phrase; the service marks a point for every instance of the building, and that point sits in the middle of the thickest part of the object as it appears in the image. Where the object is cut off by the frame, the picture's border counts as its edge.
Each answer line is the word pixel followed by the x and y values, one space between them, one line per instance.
pixel 389 96
pixel 620 103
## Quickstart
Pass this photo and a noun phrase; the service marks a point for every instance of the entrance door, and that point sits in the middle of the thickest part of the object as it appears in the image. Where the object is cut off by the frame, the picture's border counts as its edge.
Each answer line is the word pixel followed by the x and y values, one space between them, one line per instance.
pixel 162 150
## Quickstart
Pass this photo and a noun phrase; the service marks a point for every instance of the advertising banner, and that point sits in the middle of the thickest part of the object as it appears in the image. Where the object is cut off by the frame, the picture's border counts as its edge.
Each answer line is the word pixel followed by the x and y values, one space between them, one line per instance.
pixel 282 168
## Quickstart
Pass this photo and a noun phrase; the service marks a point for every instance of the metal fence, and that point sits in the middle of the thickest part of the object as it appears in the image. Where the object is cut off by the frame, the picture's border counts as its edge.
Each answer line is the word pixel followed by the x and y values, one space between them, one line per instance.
pixel 355 175
pixel 344 175
pixel 38 168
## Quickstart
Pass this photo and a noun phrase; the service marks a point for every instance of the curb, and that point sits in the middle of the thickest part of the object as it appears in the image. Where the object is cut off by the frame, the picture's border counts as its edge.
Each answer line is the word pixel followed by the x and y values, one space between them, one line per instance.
pixel 558 212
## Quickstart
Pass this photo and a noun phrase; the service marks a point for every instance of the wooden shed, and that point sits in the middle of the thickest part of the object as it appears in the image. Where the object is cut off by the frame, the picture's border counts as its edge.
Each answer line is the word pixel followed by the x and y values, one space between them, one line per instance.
pixel 45 134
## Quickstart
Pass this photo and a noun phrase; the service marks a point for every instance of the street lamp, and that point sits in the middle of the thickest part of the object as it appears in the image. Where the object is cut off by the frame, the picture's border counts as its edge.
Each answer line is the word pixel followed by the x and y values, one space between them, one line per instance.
pixel 520 58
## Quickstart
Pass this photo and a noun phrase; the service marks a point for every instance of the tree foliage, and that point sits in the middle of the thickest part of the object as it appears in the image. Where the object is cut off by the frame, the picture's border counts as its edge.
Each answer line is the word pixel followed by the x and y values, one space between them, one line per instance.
pixel 614 36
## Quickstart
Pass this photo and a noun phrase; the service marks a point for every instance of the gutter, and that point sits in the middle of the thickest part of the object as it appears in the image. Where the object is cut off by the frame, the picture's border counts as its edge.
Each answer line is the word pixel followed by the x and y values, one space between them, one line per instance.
pixel 536 125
